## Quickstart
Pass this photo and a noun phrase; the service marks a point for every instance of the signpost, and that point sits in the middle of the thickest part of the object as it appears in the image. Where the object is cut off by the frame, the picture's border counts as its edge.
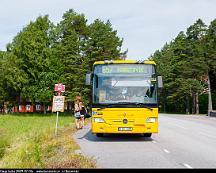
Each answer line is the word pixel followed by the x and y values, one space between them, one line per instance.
pixel 59 88
pixel 58 102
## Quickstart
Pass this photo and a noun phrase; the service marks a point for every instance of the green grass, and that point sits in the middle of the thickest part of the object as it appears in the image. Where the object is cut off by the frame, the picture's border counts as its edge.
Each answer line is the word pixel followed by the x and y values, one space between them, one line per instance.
pixel 3 143
pixel 19 125
pixel 28 141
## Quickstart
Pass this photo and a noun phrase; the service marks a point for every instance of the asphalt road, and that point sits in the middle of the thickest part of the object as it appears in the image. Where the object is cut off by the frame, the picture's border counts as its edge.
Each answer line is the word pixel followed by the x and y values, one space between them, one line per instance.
pixel 183 141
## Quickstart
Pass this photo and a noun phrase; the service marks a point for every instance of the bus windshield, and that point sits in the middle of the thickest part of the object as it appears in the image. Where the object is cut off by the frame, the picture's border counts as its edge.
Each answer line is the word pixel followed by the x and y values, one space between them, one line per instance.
pixel 124 83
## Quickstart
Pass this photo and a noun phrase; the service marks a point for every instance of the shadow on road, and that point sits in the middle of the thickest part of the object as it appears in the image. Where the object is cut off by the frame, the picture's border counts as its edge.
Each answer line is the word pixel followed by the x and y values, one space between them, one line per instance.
pixel 115 137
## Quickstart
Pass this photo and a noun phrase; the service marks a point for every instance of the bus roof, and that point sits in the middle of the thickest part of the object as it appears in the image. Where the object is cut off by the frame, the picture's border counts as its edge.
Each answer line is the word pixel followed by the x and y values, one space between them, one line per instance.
pixel 124 62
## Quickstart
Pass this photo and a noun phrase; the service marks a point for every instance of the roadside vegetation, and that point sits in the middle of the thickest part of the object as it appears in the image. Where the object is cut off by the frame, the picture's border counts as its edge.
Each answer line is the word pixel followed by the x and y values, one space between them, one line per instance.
pixel 29 141
pixel 188 67
pixel 43 54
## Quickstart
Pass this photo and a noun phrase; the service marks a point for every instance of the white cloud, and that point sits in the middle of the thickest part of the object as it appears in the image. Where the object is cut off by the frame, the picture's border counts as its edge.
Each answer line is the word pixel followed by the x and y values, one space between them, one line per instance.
pixel 145 25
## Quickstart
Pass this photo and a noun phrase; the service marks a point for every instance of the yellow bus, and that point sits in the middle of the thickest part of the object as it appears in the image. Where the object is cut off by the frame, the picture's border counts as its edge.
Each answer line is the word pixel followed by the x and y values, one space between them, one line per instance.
pixel 124 97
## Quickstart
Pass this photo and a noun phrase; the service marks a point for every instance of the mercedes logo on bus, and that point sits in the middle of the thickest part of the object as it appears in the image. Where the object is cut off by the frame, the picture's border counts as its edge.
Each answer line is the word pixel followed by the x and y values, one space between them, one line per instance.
pixel 125 121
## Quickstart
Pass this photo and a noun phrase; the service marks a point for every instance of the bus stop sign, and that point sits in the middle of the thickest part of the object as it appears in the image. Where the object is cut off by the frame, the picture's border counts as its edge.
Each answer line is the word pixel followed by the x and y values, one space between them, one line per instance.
pixel 59 87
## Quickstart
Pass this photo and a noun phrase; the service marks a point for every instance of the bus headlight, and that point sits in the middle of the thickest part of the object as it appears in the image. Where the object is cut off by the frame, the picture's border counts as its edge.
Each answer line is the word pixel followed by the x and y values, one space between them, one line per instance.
pixel 151 120
pixel 99 120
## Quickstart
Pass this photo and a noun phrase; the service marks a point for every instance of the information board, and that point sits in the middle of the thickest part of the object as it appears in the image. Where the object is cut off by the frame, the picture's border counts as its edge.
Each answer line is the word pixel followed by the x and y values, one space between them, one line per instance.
pixel 58 104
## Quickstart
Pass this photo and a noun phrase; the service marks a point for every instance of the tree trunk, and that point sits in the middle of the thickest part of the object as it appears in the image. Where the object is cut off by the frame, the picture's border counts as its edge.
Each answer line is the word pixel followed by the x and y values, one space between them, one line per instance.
pixel 187 105
pixel 193 104
pixel 197 103
pixel 209 95
pixel 69 107
pixel 44 106
pixel 3 108
pixel 164 106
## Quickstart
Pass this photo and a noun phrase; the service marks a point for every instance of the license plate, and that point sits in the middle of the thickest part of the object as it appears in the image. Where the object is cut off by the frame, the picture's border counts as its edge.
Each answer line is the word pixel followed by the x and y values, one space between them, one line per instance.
pixel 125 129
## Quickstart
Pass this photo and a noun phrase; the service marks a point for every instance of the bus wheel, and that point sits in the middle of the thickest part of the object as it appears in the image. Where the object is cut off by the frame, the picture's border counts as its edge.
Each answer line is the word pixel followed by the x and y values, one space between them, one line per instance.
pixel 148 135
pixel 99 134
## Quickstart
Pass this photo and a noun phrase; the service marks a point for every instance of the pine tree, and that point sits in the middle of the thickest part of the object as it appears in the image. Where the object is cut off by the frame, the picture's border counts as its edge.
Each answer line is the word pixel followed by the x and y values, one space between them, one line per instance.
pixel 68 48
pixel 209 45
pixel 195 34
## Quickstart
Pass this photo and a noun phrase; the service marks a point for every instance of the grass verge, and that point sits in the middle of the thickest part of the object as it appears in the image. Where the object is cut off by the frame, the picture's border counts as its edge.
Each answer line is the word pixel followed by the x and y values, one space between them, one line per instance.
pixel 3 143
pixel 29 141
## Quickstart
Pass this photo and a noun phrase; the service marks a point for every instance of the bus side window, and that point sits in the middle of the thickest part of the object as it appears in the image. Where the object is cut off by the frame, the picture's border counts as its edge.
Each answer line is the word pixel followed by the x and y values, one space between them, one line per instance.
pixel 96 81
pixel 151 90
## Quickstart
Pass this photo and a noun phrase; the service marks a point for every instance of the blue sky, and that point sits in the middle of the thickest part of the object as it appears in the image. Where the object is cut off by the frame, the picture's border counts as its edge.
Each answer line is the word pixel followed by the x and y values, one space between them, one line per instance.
pixel 145 25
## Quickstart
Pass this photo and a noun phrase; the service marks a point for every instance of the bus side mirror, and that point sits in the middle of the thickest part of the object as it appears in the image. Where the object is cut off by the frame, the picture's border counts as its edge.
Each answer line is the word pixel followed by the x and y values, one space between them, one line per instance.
pixel 160 82
pixel 88 78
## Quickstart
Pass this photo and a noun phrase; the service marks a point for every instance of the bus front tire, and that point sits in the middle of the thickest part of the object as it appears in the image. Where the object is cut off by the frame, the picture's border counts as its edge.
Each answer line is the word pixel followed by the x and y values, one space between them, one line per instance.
pixel 99 134
pixel 147 135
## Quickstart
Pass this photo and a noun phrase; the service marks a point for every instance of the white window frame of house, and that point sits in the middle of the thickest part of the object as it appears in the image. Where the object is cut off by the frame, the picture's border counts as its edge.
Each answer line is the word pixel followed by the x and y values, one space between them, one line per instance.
pixel 38 107
pixel 28 107
pixel 20 107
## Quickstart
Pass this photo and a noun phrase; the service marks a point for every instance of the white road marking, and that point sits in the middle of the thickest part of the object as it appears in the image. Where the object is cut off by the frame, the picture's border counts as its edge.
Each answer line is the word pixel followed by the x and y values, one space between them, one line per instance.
pixel 166 151
pixel 180 126
pixel 187 166
pixel 207 135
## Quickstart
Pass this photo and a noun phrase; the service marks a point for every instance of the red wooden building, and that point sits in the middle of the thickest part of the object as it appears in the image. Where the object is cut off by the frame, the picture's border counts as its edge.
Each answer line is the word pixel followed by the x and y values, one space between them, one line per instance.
pixel 27 106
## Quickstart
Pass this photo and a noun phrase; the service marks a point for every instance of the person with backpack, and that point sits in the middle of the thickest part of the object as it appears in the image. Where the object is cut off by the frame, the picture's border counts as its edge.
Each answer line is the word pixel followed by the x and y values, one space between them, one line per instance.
pixel 79 112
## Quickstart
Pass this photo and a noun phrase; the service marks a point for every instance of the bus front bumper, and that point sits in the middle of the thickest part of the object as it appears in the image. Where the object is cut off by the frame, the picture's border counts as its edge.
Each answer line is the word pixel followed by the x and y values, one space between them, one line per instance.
pixel 109 128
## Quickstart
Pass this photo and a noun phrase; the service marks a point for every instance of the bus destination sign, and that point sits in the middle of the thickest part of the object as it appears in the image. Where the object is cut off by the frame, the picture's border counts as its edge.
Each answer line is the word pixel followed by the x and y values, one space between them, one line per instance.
pixel 124 69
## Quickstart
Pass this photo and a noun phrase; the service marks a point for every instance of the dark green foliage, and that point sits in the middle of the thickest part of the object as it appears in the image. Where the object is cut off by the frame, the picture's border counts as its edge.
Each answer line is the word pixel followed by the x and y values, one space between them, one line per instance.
pixel 185 63
pixel 43 54
pixel 32 48
pixel 78 46
pixel 12 77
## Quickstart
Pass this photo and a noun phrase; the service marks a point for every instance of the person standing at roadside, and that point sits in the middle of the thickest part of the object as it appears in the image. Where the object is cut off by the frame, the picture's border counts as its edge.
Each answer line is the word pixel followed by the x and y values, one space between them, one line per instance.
pixel 79 112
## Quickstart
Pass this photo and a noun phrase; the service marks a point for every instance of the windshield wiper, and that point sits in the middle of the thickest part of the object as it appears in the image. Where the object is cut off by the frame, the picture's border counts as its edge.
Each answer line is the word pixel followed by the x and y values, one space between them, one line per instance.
pixel 114 104
pixel 126 103
pixel 115 84
pixel 143 105
pixel 137 103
